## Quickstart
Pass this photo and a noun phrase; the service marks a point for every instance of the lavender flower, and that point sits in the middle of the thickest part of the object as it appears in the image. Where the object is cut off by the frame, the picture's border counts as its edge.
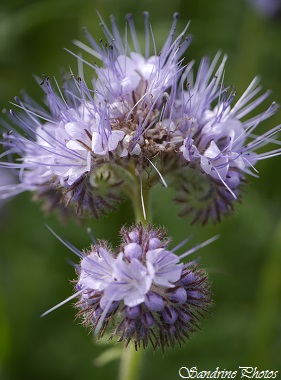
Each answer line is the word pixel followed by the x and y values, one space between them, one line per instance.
pixel 56 156
pixel 219 144
pixel 141 291
pixel 76 147
pixel 143 120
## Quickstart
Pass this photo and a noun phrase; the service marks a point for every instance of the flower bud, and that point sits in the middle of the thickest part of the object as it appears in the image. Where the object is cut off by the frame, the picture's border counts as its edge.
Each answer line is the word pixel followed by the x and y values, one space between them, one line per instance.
pixel 154 302
pixel 178 296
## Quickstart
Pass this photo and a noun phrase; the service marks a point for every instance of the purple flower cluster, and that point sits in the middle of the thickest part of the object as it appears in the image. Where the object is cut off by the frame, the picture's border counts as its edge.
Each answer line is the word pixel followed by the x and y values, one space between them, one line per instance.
pixel 147 117
pixel 141 291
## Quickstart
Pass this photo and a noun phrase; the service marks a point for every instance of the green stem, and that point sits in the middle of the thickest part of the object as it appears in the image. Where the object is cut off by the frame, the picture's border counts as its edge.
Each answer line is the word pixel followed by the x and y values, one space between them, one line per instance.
pixel 130 363
pixel 131 359
pixel 140 201
pixel 139 196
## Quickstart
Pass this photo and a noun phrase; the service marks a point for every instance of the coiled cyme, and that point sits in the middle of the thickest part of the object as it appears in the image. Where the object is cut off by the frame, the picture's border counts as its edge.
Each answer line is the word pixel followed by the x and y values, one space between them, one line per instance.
pixel 141 292
pixel 146 117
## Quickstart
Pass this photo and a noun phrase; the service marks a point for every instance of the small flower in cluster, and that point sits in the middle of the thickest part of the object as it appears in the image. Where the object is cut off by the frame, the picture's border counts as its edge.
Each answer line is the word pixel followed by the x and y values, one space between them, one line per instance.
pixel 220 145
pixel 141 292
pixel 145 118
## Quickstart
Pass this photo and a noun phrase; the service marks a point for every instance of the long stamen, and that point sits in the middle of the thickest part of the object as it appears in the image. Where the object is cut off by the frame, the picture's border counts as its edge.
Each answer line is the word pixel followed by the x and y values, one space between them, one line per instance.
pixel 147 38
pixel 199 246
pixel 133 32
pixel 63 302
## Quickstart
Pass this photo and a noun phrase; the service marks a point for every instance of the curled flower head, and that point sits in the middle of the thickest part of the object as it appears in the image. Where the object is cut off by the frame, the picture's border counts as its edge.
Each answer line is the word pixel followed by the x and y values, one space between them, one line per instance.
pixel 219 144
pixel 141 291
pixel 90 140
pixel 145 118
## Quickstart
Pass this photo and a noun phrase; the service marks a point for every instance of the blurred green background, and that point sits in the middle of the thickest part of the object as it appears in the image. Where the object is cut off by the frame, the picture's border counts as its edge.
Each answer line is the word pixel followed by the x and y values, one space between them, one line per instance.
pixel 244 264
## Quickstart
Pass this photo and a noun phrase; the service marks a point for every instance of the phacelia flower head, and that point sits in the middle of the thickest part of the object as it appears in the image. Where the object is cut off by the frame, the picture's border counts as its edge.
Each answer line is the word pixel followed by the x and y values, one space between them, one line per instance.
pixel 78 147
pixel 55 151
pixel 220 145
pixel 145 118
pixel 141 292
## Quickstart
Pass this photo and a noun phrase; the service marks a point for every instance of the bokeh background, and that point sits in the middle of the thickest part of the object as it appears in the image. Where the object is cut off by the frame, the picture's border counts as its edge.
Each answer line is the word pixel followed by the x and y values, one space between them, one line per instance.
pixel 244 264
